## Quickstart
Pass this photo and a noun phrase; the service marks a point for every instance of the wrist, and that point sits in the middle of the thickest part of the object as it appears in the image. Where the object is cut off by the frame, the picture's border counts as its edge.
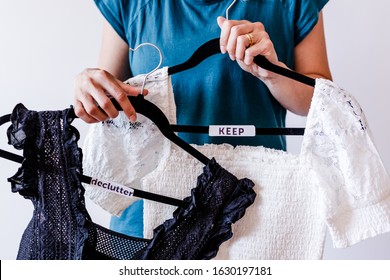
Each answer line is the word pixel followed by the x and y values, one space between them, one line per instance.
pixel 268 77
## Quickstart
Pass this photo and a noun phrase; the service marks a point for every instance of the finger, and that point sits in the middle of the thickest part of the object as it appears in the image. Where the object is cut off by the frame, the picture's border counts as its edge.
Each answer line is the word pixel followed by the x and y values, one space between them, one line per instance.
pixel 116 91
pixel 243 42
pixel 220 21
pixel 102 100
pixel 132 91
pixel 85 105
pixel 247 38
pixel 235 32
pixel 224 34
pixel 82 113
pixel 226 30
pixel 93 108
pixel 264 47
pixel 95 92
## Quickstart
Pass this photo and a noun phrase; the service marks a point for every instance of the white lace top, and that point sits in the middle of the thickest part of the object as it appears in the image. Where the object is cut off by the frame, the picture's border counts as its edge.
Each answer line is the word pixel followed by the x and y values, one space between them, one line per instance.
pixel 338 182
pixel 124 152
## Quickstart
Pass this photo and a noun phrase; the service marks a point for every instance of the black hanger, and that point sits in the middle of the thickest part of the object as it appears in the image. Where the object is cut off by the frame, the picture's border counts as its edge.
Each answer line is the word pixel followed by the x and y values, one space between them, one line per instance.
pixel 212 47
pixel 5 154
pixel 258 130
pixel 152 112
pixel 155 113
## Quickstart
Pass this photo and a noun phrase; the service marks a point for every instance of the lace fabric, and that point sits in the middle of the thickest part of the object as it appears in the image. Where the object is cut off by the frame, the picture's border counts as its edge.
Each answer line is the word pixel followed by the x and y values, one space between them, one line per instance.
pixel 284 221
pixel 49 178
pixel 121 151
pixel 194 232
pixel 219 200
pixel 337 181
pixel 61 227
pixel 340 149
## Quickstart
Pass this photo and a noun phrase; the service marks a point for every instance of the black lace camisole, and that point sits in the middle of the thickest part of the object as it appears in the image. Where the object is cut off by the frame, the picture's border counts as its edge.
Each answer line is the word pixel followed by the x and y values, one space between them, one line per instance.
pixel 61 227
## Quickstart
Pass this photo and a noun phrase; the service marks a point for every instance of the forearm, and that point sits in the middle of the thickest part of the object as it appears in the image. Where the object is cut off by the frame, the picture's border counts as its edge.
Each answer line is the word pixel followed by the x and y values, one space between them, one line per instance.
pixel 114 54
pixel 310 60
pixel 244 40
pixel 292 95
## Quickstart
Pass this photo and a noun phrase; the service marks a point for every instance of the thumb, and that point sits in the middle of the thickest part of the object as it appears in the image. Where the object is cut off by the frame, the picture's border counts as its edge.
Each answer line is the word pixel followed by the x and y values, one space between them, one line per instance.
pixel 220 21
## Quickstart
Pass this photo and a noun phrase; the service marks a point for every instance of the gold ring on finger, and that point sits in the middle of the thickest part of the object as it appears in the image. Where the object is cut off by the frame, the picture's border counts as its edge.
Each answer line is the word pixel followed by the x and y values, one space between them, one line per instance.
pixel 250 39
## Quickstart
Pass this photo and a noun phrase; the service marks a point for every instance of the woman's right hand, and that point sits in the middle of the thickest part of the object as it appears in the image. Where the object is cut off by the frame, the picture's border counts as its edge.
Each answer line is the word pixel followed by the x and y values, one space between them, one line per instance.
pixel 93 90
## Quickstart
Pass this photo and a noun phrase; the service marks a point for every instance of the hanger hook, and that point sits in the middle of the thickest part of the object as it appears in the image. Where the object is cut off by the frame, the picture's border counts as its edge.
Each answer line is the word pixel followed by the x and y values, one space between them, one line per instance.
pixel 157 67
pixel 227 10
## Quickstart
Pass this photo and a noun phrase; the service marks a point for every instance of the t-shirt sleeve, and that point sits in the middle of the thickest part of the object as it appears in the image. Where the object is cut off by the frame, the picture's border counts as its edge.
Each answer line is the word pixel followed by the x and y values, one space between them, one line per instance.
pixel 115 13
pixel 352 181
pixel 306 17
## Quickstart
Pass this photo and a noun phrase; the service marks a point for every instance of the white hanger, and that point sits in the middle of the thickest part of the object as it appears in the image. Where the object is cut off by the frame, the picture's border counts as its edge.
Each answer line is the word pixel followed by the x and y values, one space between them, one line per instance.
pixel 227 10
pixel 155 69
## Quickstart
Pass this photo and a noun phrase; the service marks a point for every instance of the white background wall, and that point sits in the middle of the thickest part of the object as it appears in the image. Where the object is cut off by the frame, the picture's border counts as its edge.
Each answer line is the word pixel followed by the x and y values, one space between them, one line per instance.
pixel 44 44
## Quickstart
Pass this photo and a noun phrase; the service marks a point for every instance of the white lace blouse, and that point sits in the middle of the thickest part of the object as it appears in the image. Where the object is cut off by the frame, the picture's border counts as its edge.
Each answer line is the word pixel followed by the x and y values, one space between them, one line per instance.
pixel 337 182
pixel 124 152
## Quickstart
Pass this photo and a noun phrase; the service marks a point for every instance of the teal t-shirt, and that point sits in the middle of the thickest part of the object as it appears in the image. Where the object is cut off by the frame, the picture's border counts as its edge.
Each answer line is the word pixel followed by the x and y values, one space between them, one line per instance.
pixel 217 91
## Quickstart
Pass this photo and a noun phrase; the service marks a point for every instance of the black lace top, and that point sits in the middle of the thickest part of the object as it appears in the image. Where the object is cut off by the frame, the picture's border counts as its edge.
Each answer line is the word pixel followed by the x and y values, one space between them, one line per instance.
pixel 61 227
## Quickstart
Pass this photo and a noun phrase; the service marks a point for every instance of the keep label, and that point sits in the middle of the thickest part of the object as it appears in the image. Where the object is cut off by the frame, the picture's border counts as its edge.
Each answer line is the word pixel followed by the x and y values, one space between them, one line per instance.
pixel 232 130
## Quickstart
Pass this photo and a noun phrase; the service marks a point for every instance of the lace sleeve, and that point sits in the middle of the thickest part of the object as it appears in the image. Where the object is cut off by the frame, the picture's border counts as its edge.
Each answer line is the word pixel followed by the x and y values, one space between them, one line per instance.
pixel 352 179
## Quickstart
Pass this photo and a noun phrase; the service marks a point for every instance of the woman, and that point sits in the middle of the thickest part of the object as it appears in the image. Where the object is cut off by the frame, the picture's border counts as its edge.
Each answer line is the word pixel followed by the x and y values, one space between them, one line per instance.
pixel 222 90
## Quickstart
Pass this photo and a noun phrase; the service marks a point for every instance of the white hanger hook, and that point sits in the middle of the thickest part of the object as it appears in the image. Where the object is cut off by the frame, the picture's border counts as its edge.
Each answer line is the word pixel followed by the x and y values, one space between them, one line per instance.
pixel 227 10
pixel 158 66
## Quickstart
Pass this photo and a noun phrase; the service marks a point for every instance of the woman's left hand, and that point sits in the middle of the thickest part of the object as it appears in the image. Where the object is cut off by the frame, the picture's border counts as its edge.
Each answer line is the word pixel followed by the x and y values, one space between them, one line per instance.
pixel 243 40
